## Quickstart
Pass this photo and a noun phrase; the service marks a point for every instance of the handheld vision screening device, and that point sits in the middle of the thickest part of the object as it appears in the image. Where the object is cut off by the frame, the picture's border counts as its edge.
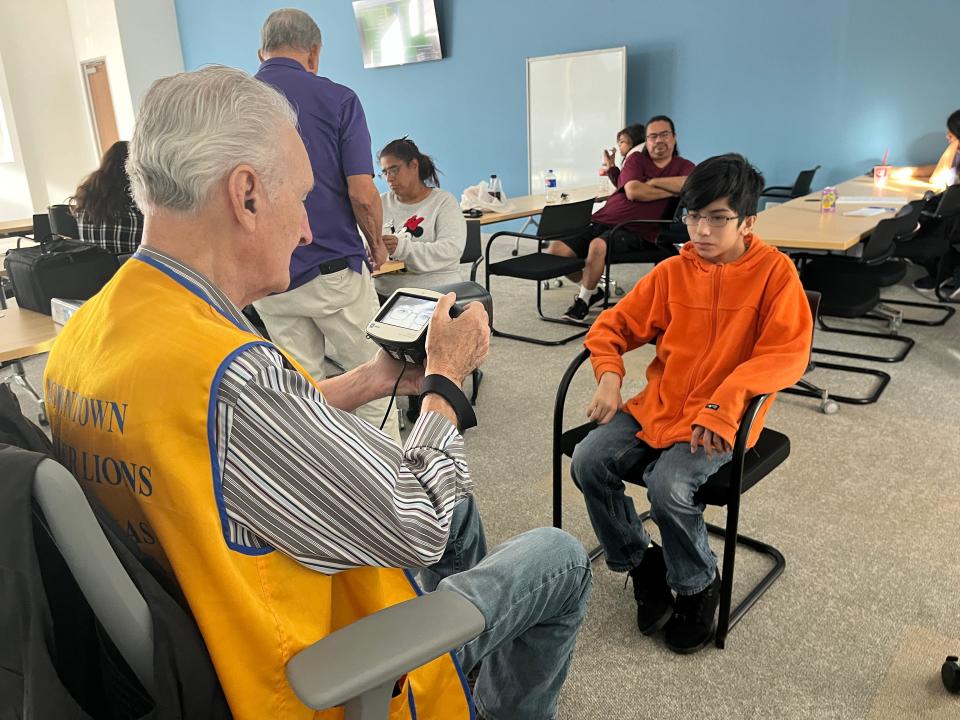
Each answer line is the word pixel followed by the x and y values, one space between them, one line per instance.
pixel 400 327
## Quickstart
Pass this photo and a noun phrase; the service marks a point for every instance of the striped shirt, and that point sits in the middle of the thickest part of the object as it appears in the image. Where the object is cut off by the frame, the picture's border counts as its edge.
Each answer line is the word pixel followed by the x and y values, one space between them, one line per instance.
pixel 317 483
pixel 121 235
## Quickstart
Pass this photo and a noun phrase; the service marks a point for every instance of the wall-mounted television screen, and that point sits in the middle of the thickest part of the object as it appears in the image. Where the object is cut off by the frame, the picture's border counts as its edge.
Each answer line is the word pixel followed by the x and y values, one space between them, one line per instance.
pixel 397 32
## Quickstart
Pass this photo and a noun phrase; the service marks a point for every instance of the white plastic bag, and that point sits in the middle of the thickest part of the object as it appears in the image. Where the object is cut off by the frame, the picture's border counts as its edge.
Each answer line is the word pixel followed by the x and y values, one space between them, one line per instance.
pixel 478 196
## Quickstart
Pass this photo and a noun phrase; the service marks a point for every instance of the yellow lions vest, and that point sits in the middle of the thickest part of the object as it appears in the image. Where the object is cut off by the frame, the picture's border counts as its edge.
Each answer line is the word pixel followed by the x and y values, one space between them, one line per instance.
pixel 131 394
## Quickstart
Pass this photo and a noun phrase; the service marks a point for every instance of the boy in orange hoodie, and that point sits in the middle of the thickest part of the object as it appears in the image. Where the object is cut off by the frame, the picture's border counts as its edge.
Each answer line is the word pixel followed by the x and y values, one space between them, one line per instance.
pixel 730 321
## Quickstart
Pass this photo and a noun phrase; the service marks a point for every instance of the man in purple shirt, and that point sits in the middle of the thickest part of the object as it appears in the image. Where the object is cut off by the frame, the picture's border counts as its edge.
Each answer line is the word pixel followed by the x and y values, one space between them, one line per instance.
pixel 331 294
pixel 652 176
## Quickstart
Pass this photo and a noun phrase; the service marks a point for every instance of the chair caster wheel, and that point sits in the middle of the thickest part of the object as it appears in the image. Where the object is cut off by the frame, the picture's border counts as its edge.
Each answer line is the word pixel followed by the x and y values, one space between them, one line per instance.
pixel 829 407
pixel 619 291
pixel 950 674
pixel 513 252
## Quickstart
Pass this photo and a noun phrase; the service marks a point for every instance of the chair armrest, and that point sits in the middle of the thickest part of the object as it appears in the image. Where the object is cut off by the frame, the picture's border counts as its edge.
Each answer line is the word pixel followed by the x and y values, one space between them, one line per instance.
pixel 507 233
pixel 380 648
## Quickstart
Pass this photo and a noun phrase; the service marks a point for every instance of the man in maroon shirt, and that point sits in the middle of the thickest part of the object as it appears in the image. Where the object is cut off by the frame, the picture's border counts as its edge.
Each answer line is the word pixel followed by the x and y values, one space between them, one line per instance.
pixel 651 178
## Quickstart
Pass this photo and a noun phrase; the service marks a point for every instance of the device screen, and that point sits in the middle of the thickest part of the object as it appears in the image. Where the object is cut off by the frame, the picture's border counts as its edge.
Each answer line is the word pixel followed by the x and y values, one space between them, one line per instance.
pixel 407 311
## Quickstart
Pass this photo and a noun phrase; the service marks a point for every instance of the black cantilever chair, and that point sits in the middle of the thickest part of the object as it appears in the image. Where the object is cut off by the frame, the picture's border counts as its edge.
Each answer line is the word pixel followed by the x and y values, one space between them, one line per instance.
pixel 747 467
pixel 828 401
pixel 800 187
pixel 947 210
pixel 889 272
pixel 557 222
pixel 852 293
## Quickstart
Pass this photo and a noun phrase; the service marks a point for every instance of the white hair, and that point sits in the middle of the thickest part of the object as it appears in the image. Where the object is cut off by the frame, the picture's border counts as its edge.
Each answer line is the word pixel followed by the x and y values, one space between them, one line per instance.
pixel 289 28
pixel 194 128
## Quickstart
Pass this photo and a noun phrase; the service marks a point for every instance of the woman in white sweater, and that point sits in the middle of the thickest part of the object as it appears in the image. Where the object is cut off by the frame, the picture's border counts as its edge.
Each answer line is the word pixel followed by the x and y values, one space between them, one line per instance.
pixel 422 224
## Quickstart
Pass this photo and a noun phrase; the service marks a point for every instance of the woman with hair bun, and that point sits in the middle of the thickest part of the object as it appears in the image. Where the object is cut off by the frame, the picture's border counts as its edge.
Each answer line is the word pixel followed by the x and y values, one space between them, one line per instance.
pixel 423 225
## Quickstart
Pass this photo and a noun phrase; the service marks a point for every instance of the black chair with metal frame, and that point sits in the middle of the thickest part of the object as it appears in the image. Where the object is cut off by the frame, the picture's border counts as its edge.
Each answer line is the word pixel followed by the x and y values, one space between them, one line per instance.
pixel 674 232
pixel 889 272
pixel 557 222
pixel 725 487
pixel 800 187
pixel 828 401
pixel 63 222
pixel 848 294
pixel 948 210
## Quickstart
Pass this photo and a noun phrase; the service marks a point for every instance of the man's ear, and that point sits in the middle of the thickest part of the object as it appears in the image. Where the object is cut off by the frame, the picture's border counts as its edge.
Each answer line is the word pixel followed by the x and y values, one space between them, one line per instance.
pixel 748 224
pixel 245 195
pixel 260 55
pixel 313 59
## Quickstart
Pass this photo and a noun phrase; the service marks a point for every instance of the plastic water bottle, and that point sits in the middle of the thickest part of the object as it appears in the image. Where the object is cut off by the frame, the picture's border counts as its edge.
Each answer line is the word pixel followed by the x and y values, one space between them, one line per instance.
pixel 604 185
pixel 550 182
pixel 495 188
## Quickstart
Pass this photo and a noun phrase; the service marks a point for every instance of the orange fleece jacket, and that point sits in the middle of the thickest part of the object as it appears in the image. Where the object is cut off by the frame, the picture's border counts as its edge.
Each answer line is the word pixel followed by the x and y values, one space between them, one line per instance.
pixel 724 334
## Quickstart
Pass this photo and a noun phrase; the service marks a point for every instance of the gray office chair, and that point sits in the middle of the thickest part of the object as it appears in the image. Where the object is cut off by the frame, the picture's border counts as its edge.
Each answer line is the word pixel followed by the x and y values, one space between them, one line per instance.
pixel 355 667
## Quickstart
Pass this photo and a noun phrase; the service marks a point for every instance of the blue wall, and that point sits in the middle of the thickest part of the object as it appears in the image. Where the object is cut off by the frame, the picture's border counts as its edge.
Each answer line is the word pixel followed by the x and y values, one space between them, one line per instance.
pixel 789 84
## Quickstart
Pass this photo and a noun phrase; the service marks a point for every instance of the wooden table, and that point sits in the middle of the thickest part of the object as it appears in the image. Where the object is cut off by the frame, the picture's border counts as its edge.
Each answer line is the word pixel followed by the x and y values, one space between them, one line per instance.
pixel 530 205
pixel 799 224
pixel 16 227
pixel 24 332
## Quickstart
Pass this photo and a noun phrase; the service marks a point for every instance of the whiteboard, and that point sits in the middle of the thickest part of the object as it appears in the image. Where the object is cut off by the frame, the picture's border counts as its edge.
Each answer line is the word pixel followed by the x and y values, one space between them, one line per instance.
pixel 576 105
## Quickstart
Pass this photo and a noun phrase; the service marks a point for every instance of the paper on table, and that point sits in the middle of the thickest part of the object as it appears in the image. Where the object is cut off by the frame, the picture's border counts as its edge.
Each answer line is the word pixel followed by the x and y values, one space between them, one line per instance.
pixel 868 211
pixel 890 200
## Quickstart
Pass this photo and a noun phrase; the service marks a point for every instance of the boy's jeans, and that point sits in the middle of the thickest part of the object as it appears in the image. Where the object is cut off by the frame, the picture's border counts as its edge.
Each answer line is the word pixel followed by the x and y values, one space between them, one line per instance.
pixel 672 476
pixel 532 591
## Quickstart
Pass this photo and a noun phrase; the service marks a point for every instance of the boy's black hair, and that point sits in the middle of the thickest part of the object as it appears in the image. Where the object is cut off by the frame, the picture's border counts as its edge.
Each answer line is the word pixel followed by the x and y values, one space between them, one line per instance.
pixel 728 176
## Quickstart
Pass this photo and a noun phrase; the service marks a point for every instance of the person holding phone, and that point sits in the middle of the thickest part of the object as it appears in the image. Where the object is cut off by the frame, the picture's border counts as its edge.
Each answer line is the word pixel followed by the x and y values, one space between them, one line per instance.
pixel 629 140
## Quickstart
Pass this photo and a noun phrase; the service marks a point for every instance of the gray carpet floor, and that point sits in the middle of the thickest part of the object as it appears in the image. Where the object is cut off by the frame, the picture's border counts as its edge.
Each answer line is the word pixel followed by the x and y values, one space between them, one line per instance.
pixel 865 511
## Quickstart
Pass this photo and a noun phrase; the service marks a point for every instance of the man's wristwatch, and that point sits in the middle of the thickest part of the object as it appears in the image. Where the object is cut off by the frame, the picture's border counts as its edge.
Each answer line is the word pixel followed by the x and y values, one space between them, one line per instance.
pixel 439 385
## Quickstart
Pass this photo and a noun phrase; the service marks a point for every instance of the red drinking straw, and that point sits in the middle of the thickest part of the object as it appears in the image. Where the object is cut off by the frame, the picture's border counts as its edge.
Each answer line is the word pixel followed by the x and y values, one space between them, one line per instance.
pixel 885 153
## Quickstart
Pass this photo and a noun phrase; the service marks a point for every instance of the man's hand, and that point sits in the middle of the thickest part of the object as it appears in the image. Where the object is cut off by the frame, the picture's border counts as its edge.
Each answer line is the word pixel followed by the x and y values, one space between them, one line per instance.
pixel 712 442
pixel 457 346
pixel 384 370
pixel 378 254
pixel 391 242
pixel 606 400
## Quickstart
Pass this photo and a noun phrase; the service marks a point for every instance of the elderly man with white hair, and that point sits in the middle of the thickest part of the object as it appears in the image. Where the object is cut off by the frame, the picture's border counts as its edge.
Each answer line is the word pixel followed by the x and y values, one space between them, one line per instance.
pixel 281 515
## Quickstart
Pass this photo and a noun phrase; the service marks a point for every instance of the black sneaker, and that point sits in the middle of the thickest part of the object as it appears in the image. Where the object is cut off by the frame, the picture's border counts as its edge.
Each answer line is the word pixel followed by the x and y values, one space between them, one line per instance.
pixel 654 599
pixel 597 297
pixel 926 286
pixel 578 311
pixel 694 620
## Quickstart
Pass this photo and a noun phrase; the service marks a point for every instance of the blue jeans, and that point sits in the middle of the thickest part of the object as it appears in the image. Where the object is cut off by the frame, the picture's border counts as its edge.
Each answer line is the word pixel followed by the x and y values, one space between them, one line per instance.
pixel 532 591
pixel 672 475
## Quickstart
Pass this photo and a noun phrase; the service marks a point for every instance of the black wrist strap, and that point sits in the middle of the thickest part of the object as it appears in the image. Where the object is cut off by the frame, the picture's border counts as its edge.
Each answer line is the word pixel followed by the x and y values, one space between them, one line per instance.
pixel 439 385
